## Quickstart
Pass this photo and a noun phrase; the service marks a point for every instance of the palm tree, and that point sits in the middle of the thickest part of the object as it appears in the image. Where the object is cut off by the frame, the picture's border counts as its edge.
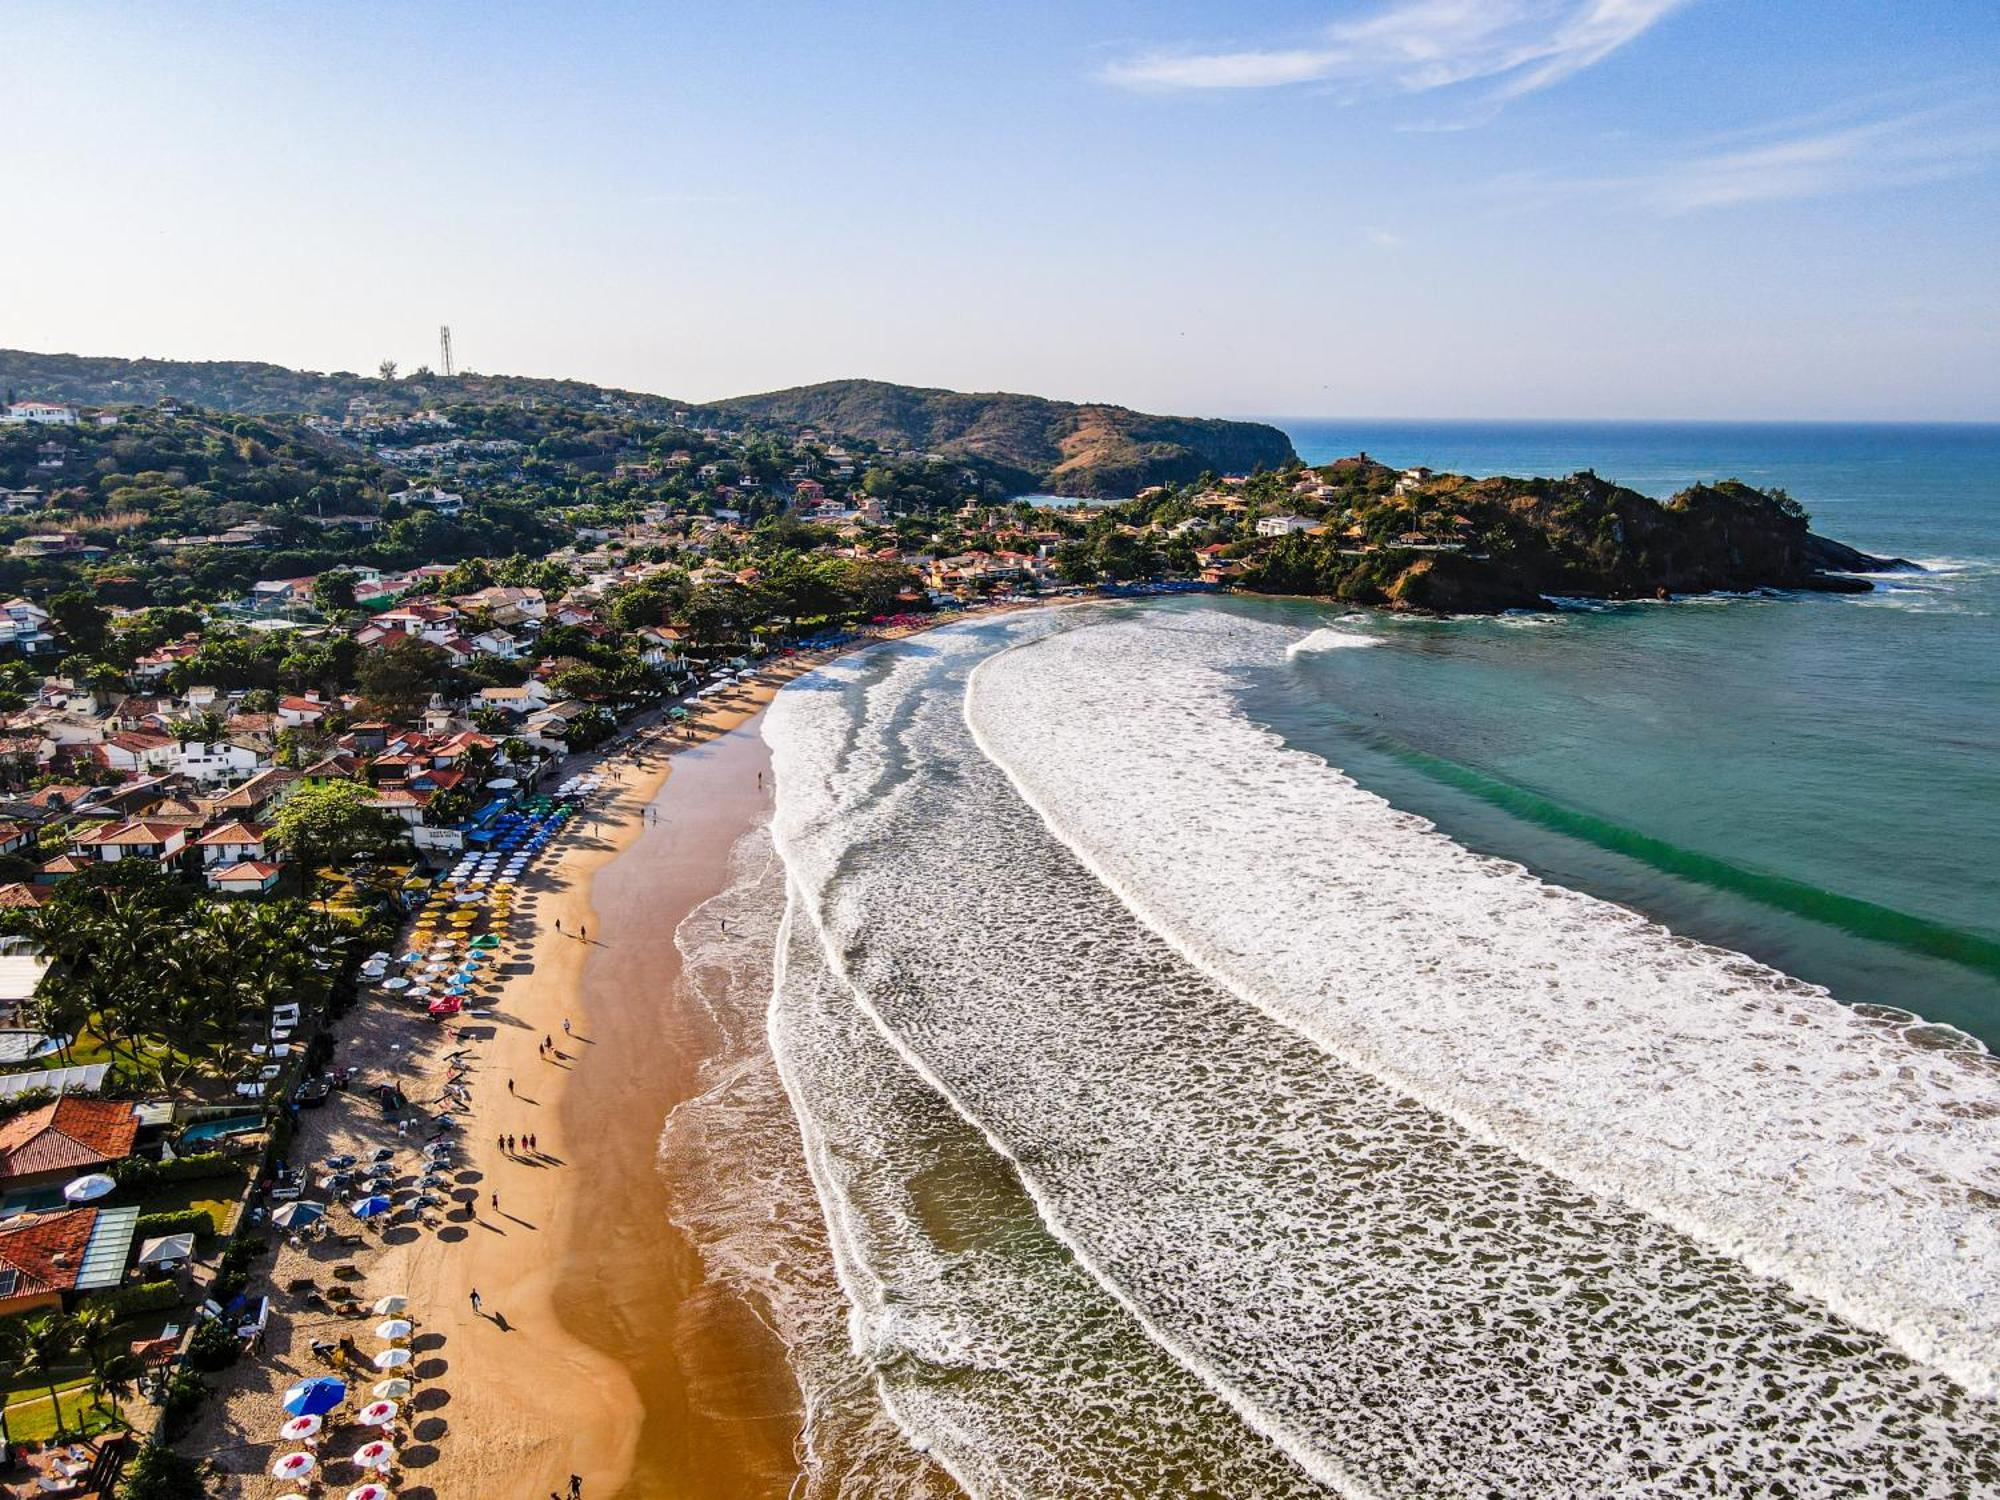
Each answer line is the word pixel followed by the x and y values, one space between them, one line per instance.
pixel 113 1371
pixel 48 1340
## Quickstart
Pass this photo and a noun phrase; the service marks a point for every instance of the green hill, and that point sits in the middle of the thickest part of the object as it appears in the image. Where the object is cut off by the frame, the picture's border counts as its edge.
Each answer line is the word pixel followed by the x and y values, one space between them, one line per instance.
pixel 1036 444
pixel 1025 443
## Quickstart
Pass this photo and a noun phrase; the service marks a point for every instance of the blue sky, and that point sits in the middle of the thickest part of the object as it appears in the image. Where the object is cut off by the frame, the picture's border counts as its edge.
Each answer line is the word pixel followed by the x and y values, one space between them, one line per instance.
pixel 1596 208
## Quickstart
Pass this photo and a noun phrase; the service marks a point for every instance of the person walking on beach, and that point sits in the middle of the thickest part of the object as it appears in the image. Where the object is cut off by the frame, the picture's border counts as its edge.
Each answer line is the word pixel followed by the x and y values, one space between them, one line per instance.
pixel 575 1488
pixel 558 924
pixel 510 1085
pixel 565 1025
pixel 478 1304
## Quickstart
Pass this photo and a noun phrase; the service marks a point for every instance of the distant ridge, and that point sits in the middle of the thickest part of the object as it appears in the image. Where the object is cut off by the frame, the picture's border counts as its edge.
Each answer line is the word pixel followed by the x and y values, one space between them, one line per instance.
pixel 1026 443
pixel 1060 446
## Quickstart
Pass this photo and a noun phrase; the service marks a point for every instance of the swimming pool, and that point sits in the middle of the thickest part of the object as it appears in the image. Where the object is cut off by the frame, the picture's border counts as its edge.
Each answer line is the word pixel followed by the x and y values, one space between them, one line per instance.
pixel 209 1130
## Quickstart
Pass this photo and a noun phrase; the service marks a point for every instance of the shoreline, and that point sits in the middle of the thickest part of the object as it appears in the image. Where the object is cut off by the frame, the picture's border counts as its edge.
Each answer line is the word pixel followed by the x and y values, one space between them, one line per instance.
pixel 636 1373
pixel 588 1293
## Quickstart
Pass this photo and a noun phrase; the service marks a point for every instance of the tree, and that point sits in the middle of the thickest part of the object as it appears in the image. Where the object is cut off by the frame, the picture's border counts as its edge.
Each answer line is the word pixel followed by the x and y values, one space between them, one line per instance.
pixel 81 620
pixel 387 369
pixel 48 1340
pixel 400 679
pixel 333 591
pixel 113 1370
pixel 159 1473
pixel 333 823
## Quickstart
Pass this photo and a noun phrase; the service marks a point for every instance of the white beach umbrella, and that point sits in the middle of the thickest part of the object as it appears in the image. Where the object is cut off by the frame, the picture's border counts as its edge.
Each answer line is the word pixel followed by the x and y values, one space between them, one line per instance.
pixel 392 1359
pixel 90 1189
pixel 377 1414
pixel 389 1306
pixel 294 1466
pixel 393 1328
pixel 370 1491
pixel 298 1429
pixel 375 1455
pixel 392 1389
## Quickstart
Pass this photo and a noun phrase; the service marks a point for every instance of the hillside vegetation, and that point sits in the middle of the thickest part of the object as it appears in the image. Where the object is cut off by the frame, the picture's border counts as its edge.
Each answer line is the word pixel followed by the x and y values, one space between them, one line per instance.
pixel 1020 443
pixel 1057 446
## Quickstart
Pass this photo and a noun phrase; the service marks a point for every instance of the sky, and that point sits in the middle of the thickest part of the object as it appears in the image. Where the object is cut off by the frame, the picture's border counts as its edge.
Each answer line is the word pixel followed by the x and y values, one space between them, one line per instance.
pixel 1784 209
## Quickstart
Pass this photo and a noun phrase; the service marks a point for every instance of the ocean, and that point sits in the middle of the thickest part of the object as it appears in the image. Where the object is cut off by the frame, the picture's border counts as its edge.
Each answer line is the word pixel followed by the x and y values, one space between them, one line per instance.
pixel 1243 1048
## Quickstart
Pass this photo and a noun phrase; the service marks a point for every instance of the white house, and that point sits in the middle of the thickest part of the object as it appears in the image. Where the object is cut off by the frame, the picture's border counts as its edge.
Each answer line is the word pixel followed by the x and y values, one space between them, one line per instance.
pixel 232 843
pixel 1284 525
pixel 249 877
pixel 40 413
pixel 215 763
pixel 296 713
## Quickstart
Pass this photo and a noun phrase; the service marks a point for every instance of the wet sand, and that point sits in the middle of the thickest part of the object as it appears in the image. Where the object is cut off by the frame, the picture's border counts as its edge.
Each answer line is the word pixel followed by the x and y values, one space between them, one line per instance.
pixel 718 1411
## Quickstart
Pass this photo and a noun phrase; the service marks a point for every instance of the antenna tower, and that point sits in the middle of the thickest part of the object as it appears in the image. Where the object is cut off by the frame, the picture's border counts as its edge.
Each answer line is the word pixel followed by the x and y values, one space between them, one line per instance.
pixel 444 348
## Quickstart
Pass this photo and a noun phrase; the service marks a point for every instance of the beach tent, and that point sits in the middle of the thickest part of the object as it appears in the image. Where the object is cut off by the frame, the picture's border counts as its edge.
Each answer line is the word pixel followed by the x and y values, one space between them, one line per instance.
pixel 167 1250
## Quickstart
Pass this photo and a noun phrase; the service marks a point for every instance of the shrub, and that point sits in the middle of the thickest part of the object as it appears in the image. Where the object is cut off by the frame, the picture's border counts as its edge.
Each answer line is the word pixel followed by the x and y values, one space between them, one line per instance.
pixel 185 1221
pixel 213 1347
pixel 140 1175
pixel 161 1474
pixel 185 1393
pixel 148 1296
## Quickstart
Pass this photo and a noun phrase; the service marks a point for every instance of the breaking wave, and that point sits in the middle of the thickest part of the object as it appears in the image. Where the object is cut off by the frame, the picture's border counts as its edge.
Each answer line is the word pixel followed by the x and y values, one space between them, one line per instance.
pixel 1190 1122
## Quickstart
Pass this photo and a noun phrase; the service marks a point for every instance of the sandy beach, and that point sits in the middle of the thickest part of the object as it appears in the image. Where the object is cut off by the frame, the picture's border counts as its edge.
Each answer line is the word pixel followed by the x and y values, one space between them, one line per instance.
pixel 600 1351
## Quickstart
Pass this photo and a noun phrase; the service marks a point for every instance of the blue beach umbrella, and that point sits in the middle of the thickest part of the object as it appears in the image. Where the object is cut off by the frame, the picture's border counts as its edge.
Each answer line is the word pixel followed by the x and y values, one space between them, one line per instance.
pixel 314 1398
pixel 369 1207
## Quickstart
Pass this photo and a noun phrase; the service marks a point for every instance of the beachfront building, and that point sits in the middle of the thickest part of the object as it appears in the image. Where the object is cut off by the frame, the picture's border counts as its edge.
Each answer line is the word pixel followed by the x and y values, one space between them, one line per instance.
pixel 48 1147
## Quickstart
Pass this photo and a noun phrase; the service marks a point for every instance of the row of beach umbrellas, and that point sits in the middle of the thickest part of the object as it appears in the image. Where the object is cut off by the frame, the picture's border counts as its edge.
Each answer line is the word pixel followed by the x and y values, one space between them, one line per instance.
pixel 308 1403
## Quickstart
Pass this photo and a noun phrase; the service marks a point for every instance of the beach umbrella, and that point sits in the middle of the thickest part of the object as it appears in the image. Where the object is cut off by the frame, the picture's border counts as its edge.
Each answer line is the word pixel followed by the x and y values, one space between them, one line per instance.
pixel 310 1398
pixel 398 983
pixel 297 1213
pixel 369 1491
pixel 375 1455
pixel 391 1305
pixel 377 1414
pixel 393 1359
pixel 89 1189
pixel 294 1466
pixel 394 1328
pixel 298 1429
pixel 370 1206
pixel 392 1389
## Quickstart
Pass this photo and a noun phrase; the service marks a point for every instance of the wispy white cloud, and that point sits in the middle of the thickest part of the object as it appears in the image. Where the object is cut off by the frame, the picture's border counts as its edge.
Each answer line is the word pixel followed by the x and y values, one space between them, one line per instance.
pixel 1382 239
pixel 1794 162
pixel 1420 45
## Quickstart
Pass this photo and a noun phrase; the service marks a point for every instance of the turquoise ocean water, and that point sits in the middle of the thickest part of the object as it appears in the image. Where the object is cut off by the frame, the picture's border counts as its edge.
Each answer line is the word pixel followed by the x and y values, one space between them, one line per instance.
pixel 1811 779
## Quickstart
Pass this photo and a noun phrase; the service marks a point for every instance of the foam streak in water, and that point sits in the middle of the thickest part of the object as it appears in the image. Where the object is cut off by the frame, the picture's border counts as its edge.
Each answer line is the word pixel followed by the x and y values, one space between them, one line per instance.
pixel 1816 1143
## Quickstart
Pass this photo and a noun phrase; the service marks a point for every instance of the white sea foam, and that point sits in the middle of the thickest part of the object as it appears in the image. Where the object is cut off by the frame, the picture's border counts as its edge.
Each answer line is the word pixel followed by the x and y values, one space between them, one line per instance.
pixel 744 1200
pixel 1403 1307
pixel 1741 1106
pixel 1327 639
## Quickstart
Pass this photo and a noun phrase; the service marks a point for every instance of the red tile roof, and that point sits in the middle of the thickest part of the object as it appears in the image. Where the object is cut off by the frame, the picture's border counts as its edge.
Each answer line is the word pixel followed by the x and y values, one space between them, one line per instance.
pixel 64 1133
pixel 47 1252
